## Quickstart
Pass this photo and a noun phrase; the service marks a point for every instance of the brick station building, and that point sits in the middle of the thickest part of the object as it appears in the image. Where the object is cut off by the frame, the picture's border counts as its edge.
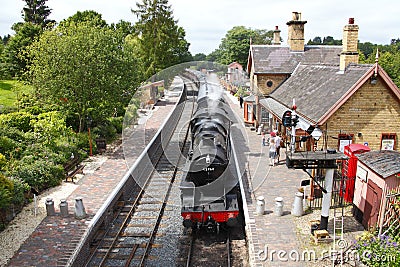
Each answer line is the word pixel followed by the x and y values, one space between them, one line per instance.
pixel 348 101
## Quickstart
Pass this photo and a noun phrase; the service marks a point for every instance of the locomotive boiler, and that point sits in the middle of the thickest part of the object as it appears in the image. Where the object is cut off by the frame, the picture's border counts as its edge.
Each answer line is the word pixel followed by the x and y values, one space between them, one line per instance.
pixel 209 190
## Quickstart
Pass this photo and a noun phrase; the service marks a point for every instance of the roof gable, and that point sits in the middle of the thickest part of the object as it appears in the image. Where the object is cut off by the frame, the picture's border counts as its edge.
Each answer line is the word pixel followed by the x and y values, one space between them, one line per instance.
pixel 317 88
pixel 276 59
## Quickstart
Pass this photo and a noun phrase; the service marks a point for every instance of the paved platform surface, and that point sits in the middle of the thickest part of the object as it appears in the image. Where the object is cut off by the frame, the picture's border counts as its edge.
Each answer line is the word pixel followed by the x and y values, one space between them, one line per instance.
pixel 272 239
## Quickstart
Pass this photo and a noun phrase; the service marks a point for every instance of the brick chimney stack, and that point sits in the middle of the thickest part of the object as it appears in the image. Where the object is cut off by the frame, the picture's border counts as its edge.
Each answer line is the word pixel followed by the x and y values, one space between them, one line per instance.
pixel 277 36
pixel 350 45
pixel 296 33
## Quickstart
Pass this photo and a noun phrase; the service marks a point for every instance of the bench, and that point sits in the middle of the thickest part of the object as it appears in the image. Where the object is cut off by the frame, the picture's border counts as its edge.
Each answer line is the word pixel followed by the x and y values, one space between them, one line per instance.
pixel 72 168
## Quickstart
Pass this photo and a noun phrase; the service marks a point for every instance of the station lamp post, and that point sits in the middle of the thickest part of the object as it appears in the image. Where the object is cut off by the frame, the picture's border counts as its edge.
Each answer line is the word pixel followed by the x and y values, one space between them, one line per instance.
pixel 89 124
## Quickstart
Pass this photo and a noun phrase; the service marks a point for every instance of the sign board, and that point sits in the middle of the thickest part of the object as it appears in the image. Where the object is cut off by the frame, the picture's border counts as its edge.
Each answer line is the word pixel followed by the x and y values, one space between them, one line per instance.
pixel 362 174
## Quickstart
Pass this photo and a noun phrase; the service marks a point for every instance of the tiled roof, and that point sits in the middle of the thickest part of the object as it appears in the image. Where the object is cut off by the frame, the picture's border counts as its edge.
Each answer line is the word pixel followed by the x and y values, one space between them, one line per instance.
pixel 384 162
pixel 317 88
pixel 272 59
pixel 278 109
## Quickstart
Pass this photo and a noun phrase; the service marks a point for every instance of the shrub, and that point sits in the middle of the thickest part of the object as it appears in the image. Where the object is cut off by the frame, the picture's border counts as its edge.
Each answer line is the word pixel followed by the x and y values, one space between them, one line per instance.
pixel 3 161
pixel 6 190
pixel 38 151
pixel 106 130
pixel 8 145
pixel 19 120
pixel 117 122
pixel 82 143
pixel 49 125
pixel 380 250
pixel 40 174
pixel 12 194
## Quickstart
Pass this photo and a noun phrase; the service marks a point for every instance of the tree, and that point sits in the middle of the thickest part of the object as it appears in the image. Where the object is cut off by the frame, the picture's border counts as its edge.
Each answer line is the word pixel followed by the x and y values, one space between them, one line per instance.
pixel 86 70
pixel 329 40
pixel 199 57
pixel 89 16
pixel 26 33
pixel 316 41
pixel 125 27
pixel 390 62
pixel 236 44
pixel 162 42
pixel 37 12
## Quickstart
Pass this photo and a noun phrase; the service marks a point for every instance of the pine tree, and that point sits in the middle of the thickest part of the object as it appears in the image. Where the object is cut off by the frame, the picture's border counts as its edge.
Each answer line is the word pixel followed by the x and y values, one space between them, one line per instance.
pixel 36 12
pixel 162 42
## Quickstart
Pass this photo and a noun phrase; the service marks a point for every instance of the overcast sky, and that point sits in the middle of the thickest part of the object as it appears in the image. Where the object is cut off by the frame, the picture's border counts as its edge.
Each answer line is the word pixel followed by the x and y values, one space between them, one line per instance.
pixel 207 21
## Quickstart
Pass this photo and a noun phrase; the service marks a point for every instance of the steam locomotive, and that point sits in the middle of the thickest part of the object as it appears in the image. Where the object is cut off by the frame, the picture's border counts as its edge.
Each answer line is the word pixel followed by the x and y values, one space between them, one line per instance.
pixel 209 190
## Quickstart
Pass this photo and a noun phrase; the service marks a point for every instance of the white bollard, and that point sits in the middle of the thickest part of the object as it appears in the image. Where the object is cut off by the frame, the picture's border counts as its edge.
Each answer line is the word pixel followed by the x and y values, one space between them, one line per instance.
pixel 298 205
pixel 64 208
pixel 80 212
pixel 260 207
pixel 50 207
pixel 279 206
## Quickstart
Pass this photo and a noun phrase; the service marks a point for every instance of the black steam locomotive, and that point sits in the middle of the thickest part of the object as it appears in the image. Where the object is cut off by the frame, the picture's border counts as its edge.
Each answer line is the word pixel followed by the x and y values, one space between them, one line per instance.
pixel 209 191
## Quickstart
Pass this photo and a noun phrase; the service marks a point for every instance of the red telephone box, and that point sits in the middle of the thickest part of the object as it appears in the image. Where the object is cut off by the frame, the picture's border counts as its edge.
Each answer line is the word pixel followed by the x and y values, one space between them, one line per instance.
pixel 350 169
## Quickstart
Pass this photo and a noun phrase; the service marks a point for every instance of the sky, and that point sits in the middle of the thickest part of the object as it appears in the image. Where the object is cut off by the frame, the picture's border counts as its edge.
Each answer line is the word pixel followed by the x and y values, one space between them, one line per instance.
pixel 206 22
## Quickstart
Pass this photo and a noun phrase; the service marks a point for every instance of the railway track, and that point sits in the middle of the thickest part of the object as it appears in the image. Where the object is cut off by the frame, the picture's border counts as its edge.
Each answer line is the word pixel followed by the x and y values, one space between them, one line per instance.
pixel 200 248
pixel 135 228
pixel 208 249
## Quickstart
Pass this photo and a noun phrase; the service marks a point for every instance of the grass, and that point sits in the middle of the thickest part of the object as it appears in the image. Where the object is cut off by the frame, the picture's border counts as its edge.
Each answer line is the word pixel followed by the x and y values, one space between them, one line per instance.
pixel 9 92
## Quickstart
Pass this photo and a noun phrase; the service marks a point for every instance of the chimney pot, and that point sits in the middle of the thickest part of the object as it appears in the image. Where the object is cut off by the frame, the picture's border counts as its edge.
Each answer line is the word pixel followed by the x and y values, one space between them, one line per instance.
pixel 351 20
pixel 296 15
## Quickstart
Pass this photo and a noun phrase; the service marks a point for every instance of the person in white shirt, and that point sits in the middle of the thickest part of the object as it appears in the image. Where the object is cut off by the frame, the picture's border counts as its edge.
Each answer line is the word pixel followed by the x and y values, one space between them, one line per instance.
pixel 272 152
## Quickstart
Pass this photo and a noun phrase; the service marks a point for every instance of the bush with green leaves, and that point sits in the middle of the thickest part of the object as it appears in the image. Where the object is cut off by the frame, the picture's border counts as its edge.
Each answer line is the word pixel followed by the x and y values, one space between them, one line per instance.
pixel 40 174
pixel 379 250
pixel 117 122
pixel 8 146
pixel 3 161
pixel 12 193
pixel 105 130
pixel 20 120
pixel 49 125
pixel 12 141
pixel 6 192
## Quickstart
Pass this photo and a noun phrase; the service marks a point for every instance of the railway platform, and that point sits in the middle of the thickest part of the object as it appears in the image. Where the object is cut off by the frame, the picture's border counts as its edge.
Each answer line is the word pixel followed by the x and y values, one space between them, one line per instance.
pixel 56 238
pixel 271 239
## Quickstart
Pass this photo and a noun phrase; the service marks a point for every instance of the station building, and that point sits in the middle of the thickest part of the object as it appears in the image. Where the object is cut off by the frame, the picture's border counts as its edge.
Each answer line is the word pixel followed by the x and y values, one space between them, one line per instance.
pixel 349 102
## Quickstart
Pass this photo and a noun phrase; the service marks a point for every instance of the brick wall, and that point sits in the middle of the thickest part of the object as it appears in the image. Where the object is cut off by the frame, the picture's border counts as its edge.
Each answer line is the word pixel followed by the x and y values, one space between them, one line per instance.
pixel 262 83
pixel 372 110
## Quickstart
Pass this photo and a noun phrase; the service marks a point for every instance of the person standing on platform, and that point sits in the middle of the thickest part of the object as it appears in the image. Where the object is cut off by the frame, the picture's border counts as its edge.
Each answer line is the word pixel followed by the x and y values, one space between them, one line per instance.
pixel 263 138
pixel 278 140
pixel 241 101
pixel 272 152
